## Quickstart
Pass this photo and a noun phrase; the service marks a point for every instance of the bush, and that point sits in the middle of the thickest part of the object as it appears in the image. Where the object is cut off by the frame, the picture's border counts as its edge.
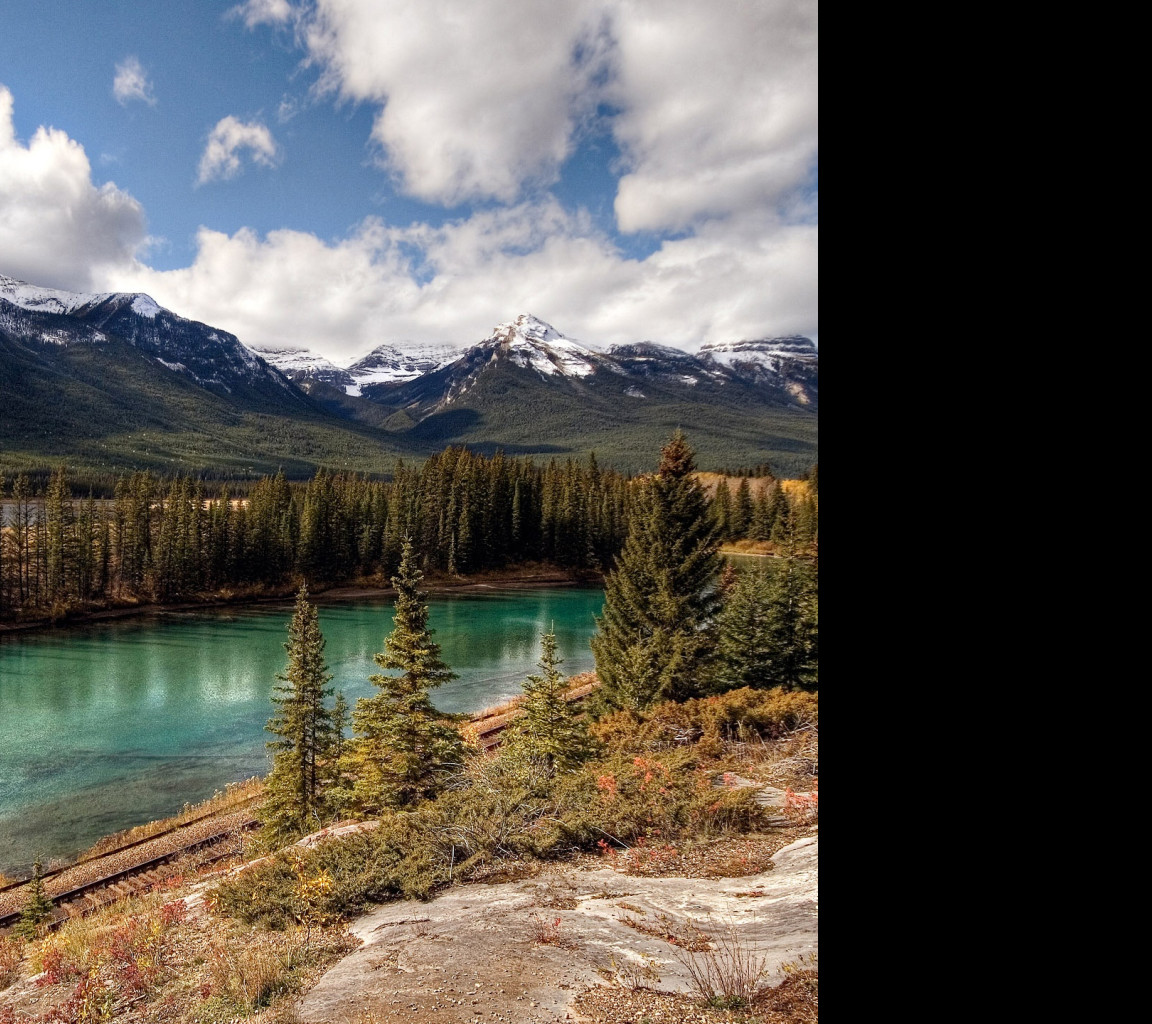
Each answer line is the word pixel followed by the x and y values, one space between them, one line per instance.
pixel 744 714
pixel 502 808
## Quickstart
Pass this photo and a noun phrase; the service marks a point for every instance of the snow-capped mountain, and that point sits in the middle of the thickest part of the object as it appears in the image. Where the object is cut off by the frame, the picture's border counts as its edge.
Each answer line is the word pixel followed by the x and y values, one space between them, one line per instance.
pixel 301 365
pixel 527 354
pixel 392 364
pixel 791 363
pixel 212 358
pixel 385 364
pixel 770 354
pixel 530 342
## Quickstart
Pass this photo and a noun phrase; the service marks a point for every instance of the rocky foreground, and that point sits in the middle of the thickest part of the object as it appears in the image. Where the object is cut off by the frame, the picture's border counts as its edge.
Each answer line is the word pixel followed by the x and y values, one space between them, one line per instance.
pixel 524 951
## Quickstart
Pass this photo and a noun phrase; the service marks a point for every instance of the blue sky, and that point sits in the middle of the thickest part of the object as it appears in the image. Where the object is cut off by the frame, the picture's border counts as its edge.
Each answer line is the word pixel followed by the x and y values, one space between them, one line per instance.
pixel 336 174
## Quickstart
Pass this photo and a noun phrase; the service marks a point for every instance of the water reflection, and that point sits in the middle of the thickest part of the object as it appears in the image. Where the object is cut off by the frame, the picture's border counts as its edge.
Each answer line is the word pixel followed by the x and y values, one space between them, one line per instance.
pixel 106 726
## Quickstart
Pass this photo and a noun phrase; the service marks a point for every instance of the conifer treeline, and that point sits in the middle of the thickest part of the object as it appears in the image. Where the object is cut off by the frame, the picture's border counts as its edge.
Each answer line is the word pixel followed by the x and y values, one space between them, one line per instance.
pixel 167 540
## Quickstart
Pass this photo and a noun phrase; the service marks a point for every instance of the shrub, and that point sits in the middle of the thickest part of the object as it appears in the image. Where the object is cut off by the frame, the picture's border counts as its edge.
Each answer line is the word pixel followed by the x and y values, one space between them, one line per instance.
pixel 502 808
pixel 11 953
pixel 744 714
pixel 730 974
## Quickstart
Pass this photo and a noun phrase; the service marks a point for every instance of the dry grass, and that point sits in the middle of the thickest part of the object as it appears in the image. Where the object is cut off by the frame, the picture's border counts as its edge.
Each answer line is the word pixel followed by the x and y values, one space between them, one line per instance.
pixel 730 973
pixel 682 934
pixel 11 955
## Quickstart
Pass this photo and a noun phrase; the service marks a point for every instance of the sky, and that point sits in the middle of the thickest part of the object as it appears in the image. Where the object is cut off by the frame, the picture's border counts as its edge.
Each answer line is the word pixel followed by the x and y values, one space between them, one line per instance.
pixel 340 174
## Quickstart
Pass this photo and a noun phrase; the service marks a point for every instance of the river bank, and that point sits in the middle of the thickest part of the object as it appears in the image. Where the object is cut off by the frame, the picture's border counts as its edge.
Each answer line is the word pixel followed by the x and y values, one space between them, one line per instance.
pixel 352 590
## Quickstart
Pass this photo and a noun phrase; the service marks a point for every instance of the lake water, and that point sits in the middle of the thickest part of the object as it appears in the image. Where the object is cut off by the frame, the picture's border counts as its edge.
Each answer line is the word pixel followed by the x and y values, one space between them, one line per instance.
pixel 115 724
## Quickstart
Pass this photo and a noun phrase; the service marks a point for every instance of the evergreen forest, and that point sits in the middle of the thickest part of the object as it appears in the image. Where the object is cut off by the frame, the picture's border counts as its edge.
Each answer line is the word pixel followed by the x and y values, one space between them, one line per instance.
pixel 181 539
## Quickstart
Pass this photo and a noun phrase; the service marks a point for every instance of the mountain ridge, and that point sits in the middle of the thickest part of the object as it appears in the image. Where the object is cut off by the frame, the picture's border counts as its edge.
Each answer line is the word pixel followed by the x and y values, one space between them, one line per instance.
pixel 113 378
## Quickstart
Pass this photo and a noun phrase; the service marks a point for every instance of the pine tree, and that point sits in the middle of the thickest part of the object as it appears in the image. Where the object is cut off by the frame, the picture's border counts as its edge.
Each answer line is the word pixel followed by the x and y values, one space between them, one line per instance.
pixel 742 509
pixel 654 637
pixel 549 730
pixel 403 747
pixel 792 626
pixel 743 641
pixel 37 909
pixel 722 508
pixel 295 798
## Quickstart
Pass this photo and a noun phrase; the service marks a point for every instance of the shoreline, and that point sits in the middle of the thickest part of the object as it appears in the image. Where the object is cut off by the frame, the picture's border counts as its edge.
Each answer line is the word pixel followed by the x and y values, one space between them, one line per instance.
pixel 347 591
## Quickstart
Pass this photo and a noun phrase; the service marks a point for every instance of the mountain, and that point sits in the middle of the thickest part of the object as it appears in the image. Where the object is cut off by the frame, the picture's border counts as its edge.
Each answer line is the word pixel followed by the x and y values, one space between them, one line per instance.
pixel 211 358
pixel 113 381
pixel 790 362
pixel 388 364
pixel 527 388
pixel 300 365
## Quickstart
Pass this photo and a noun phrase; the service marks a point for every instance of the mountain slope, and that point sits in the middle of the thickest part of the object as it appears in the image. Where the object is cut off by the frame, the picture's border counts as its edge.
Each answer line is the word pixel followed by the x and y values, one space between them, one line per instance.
pixel 116 382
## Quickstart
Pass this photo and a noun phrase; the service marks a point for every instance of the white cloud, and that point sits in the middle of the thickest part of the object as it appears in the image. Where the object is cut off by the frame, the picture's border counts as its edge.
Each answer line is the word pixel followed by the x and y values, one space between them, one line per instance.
pixel 131 82
pixel 56 227
pixel 477 98
pixel 264 12
pixel 343 298
pixel 718 107
pixel 231 138
pixel 715 104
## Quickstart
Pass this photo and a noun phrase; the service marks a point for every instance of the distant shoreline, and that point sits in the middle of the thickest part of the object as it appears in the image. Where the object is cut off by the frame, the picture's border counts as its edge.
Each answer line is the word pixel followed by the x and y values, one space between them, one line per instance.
pixel 339 592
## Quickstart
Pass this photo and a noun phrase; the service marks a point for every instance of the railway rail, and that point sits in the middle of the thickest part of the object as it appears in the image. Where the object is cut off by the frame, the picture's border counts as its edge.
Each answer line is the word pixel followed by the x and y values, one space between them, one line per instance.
pixel 89 894
pixel 125 846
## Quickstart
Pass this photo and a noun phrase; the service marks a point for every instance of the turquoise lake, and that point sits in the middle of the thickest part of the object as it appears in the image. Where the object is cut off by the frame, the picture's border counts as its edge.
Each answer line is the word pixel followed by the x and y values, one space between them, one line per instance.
pixel 115 724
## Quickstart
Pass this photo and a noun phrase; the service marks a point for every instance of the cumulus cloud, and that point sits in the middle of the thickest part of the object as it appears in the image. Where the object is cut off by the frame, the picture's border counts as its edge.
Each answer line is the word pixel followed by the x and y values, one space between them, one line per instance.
pixel 717 108
pixel 264 12
pixel 476 98
pixel 229 140
pixel 714 105
pixel 56 227
pixel 451 283
pixel 131 82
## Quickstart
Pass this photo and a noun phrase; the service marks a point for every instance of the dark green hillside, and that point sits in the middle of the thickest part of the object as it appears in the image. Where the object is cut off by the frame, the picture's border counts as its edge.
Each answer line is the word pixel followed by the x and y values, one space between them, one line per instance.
pixel 514 408
pixel 108 405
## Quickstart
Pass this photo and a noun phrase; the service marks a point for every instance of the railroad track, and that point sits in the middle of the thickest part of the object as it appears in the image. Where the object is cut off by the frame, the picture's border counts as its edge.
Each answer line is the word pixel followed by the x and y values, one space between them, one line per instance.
pixel 488 729
pixel 89 895
pixel 126 846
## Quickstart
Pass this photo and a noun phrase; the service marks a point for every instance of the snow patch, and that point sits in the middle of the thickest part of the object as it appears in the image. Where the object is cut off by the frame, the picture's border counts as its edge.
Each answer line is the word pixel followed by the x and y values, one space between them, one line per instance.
pixel 145 305
pixel 352 389
pixel 47 300
pixel 393 364
pixel 171 366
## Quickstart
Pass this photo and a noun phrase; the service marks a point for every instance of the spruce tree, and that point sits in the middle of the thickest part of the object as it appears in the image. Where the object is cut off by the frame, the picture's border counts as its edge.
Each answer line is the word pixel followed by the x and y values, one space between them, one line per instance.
pixel 403 747
pixel 742 509
pixel 548 729
pixel 792 626
pixel 38 907
pixel 743 640
pixel 295 800
pixel 655 634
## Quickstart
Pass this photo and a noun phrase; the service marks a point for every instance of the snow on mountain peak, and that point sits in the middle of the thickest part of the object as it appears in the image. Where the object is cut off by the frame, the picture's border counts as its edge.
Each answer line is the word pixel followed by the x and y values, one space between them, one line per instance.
pixel 45 300
pixel 145 305
pixel 530 342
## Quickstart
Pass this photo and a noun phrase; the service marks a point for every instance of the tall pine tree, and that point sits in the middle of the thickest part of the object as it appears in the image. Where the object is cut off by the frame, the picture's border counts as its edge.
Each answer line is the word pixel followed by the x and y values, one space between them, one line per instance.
pixel 403 747
pixel 303 767
pixel 655 634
